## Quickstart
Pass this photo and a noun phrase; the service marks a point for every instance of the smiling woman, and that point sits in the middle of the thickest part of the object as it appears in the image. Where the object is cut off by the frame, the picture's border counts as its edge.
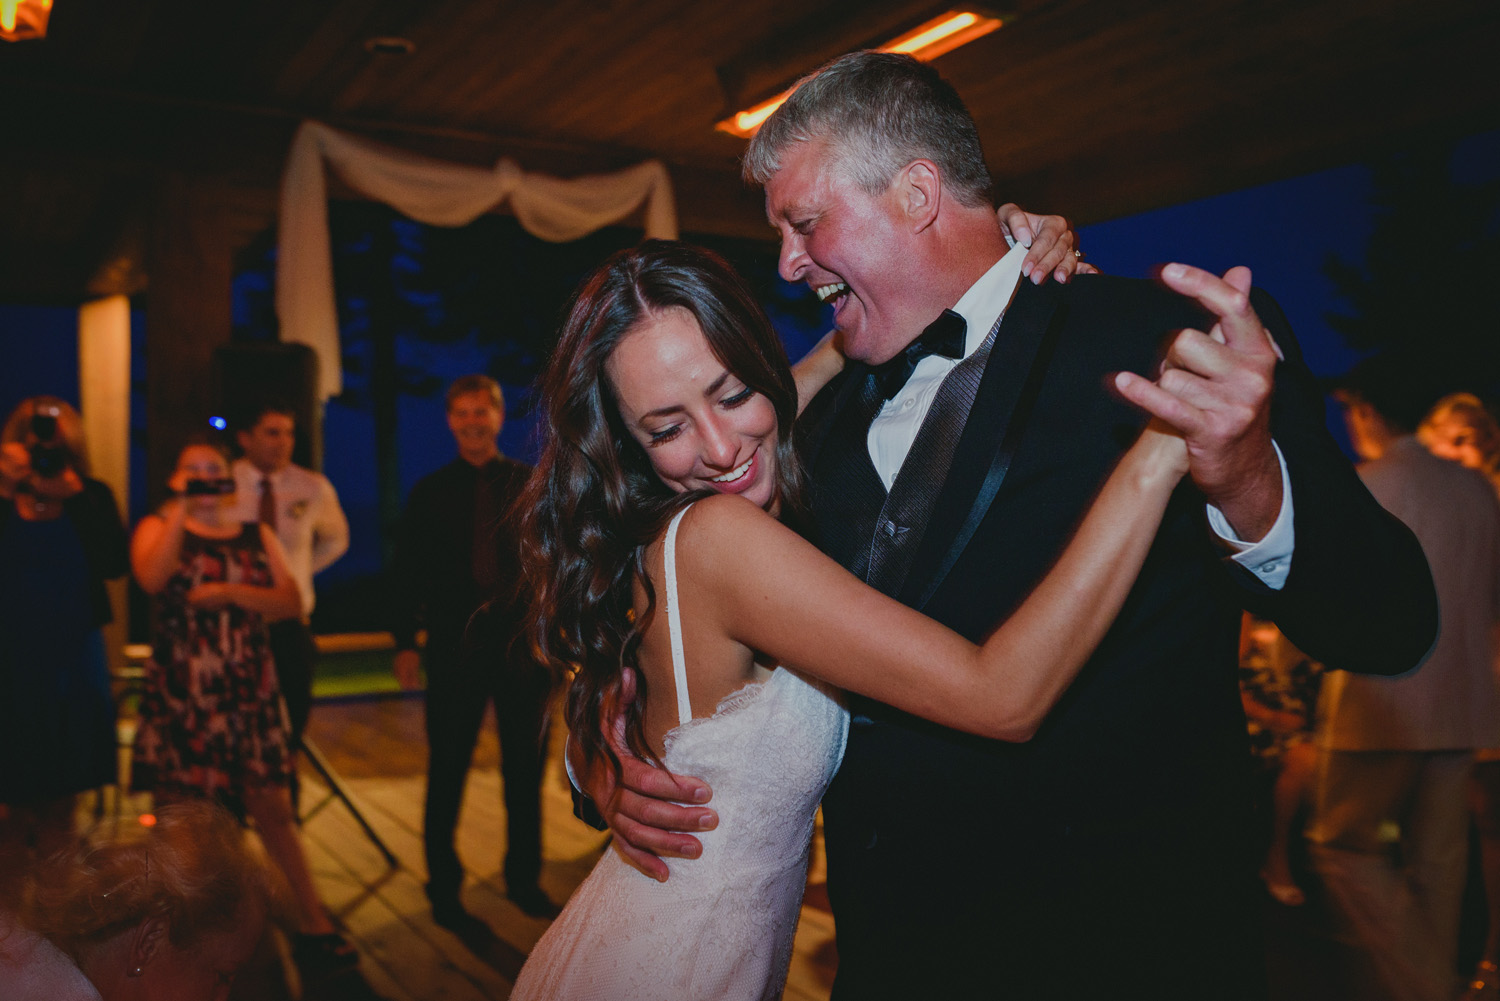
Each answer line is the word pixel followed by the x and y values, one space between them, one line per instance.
pixel 702 426
pixel 668 389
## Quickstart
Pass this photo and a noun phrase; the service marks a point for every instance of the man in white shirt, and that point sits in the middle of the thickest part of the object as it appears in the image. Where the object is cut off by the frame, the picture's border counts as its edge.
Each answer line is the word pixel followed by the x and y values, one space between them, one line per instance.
pixel 303 509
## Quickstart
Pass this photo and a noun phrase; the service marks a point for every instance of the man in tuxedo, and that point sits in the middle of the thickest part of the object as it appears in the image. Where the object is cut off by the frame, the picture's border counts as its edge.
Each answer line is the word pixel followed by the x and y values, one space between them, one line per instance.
pixel 949 462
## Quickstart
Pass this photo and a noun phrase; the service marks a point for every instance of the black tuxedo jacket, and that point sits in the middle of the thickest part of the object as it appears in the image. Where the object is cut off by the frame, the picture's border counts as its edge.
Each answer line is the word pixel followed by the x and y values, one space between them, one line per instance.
pixel 1109 852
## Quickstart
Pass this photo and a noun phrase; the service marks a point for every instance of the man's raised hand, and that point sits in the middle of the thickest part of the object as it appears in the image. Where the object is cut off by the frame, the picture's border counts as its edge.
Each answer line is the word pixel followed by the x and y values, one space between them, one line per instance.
pixel 1215 388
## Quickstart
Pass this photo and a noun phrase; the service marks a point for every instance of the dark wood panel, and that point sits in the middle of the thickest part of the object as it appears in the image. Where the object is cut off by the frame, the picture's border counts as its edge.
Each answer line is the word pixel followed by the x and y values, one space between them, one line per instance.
pixel 1093 108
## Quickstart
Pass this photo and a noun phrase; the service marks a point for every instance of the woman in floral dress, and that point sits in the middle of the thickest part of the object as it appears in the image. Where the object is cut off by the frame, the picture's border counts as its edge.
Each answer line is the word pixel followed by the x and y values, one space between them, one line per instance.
pixel 212 722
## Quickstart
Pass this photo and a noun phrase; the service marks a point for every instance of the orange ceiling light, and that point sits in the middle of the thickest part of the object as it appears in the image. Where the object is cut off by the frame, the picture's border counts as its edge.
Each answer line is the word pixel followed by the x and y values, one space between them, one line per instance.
pixel 926 42
pixel 23 19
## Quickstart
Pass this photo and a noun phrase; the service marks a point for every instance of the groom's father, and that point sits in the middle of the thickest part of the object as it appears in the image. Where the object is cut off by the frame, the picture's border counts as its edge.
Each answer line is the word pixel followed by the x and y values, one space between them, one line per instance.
pixel 1107 856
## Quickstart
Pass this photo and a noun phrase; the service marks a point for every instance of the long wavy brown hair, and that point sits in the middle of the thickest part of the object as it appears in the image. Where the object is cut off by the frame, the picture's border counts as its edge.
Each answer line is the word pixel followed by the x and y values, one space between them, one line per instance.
pixel 594 503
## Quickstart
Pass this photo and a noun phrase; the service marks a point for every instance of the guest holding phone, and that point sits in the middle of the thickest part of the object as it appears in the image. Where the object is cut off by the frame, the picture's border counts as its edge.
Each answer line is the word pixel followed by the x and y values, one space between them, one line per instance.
pixel 213 723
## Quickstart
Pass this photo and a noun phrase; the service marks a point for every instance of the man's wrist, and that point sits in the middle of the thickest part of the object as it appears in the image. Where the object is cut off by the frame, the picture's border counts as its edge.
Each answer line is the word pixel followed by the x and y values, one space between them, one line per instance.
pixel 1252 511
pixel 1270 557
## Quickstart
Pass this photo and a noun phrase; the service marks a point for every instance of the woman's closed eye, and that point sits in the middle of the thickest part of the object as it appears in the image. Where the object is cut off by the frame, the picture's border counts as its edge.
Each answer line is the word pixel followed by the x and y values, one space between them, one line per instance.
pixel 665 434
pixel 735 400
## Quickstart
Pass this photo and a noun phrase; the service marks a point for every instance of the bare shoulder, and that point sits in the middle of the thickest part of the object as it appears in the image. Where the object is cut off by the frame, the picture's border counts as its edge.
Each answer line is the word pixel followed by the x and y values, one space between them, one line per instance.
pixel 722 523
pixel 730 547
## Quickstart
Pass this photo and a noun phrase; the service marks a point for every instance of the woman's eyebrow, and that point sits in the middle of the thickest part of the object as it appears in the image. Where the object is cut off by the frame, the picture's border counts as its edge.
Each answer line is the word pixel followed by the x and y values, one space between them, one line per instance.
pixel 713 388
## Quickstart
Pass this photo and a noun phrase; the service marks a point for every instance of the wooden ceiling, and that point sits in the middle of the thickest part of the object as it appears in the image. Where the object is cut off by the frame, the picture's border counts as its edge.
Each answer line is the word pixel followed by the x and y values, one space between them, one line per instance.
pixel 1093 108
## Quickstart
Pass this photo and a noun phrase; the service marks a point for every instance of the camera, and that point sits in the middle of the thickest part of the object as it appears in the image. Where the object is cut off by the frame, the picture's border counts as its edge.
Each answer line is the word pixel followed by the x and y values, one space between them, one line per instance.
pixel 208 488
pixel 49 457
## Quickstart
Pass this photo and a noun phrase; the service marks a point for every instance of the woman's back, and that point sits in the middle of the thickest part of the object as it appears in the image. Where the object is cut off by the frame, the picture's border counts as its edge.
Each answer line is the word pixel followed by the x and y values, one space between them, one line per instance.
pixel 723 925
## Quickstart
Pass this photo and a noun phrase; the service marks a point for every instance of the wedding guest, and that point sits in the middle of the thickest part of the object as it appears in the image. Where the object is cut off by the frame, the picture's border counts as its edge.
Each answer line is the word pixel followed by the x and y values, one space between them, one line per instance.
pixel 1460 427
pixel 1396 753
pixel 60 539
pixel 212 721
pixel 301 507
pixel 457 568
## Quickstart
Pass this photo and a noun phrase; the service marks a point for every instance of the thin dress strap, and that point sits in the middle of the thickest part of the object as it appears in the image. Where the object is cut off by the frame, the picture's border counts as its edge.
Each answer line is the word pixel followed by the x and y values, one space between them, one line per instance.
pixel 674 621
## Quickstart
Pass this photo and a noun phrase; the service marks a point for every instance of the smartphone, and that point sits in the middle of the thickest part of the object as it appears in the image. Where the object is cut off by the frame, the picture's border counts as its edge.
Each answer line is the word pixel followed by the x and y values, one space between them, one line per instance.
pixel 205 488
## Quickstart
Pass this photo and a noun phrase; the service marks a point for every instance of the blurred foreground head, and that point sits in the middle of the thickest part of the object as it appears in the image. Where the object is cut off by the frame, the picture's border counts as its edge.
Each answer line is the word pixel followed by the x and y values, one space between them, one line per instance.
pixel 167 912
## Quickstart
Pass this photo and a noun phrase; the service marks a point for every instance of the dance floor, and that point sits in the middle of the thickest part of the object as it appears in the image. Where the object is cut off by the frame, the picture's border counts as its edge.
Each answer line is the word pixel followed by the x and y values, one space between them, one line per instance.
pixel 377 748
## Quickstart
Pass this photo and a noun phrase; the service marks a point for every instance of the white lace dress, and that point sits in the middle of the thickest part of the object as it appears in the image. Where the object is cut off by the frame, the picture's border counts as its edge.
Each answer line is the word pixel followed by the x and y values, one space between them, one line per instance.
pixel 721 927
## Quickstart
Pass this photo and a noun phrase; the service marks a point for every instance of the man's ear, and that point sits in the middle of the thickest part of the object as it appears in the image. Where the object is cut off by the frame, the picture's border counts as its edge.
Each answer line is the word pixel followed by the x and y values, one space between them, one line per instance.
pixel 921 189
pixel 147 941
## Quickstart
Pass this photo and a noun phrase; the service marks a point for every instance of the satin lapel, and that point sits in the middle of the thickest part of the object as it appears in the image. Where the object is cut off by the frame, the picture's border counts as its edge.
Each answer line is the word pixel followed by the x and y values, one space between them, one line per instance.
pixel 1011 382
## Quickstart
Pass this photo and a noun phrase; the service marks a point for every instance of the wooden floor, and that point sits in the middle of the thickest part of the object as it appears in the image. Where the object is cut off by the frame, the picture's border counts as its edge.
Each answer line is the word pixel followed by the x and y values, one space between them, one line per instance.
pixel 377 747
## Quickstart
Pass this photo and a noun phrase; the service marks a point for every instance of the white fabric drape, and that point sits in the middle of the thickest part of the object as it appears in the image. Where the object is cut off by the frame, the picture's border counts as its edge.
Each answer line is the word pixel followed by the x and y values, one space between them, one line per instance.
pixel 437 193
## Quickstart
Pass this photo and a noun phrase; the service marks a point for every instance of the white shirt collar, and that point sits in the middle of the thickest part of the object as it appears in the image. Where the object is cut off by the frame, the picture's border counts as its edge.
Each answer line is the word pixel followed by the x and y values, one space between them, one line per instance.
pixel 987 298
pixel 250 471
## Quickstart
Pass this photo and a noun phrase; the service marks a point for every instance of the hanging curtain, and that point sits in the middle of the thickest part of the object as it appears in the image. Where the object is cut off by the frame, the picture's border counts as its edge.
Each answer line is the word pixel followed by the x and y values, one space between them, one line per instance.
pixel 437 193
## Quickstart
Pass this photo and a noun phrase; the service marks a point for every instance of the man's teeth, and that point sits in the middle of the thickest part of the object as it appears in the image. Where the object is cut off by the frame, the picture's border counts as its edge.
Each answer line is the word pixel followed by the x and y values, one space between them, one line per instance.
pixel 735 473
pixel 826 292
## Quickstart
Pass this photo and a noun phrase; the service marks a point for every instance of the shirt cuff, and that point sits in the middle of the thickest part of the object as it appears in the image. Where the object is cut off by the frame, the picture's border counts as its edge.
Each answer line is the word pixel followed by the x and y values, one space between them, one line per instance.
pixel 1270 559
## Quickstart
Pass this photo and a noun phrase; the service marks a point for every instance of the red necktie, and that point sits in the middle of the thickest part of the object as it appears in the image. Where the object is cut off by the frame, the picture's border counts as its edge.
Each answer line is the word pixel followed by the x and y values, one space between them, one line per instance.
pixel 267 503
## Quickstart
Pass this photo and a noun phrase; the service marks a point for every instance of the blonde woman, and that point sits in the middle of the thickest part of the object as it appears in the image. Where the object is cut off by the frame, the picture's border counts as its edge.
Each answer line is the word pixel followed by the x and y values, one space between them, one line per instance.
pixel 60 540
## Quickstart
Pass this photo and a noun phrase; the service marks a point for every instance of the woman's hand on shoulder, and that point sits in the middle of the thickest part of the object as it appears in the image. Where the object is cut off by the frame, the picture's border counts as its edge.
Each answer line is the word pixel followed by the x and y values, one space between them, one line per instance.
pixel 1051 241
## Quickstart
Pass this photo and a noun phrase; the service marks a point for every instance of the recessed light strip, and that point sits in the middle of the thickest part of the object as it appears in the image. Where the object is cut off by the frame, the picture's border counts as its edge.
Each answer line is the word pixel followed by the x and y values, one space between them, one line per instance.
pixel 926 42
pixel 24 19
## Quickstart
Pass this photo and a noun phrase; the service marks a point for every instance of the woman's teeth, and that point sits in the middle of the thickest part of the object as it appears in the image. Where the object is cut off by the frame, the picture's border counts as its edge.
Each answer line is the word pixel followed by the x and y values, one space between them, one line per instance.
pixel 735 473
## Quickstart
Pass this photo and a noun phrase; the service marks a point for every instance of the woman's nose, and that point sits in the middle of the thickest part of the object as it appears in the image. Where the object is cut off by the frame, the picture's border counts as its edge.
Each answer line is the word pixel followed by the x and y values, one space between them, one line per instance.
pixel 719 446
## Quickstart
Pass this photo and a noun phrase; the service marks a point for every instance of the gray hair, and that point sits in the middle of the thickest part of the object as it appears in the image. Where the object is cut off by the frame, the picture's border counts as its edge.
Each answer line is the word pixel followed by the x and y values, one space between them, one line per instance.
pixel 877 111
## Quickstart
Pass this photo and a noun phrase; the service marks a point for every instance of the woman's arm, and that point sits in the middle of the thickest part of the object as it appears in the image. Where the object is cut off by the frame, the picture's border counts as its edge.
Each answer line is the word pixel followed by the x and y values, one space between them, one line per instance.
pixel 156 546
pixel 814 369
pixel 771 590
pixel 282 600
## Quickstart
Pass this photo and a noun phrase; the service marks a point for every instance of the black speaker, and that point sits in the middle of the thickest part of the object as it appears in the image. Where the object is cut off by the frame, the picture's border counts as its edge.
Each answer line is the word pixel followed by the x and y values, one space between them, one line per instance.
pixel 247 376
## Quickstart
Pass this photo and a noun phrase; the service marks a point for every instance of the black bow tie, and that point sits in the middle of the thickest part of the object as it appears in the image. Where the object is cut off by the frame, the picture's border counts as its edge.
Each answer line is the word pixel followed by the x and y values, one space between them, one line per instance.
pixel 943 336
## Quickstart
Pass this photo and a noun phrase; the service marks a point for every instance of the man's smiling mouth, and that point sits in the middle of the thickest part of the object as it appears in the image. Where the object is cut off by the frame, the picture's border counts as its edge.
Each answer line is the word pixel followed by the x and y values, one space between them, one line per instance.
pixel 827 293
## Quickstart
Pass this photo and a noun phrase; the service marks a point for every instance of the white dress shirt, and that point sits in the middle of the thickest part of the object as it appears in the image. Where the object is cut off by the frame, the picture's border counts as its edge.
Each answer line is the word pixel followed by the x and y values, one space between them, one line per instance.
pixel 309 522
pixel 896 426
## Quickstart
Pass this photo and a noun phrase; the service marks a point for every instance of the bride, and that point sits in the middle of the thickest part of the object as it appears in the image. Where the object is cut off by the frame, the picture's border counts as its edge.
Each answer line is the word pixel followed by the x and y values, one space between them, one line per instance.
pixel 661 536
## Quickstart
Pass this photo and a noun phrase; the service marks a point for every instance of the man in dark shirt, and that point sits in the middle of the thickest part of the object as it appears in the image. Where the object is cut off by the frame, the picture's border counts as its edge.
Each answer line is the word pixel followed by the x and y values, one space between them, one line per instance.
pixel 456 571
